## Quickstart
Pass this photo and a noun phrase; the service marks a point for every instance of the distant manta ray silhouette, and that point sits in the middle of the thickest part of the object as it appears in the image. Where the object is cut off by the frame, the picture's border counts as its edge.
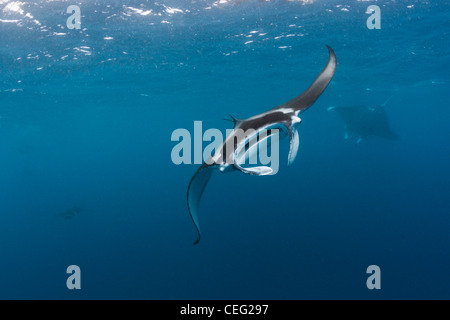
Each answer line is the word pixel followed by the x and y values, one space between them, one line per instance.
pixel 365 121
pixel 284 116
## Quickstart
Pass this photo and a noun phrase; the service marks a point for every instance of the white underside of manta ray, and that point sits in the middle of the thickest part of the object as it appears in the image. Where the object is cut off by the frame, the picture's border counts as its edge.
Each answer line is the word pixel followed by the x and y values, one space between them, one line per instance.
pixel 284 116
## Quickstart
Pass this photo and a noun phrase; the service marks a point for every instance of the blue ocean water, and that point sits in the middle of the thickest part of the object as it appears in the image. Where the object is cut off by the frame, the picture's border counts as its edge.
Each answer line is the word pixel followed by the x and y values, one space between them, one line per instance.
pixel 86 117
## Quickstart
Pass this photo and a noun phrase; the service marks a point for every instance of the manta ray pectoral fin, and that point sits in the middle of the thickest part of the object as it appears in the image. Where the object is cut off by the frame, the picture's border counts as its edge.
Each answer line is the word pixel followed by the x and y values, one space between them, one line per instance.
pixel 310 95
pixel 195 191
pixel 293 144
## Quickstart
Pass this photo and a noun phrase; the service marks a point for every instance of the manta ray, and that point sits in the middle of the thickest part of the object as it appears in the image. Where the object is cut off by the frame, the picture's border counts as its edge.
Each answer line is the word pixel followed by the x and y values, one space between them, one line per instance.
pixel 365 121
pixel 283 117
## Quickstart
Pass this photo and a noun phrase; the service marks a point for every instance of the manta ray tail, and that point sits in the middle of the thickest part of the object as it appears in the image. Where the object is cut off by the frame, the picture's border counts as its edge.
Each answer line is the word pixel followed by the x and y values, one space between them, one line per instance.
pixel 235 121
pixel 195 190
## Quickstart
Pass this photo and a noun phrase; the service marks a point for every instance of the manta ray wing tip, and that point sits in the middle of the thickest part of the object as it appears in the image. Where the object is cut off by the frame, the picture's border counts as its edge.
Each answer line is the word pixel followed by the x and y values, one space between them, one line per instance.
pixel 332 53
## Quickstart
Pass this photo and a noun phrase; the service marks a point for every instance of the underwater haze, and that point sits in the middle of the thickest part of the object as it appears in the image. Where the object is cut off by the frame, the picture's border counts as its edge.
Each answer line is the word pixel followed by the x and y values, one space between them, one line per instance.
pixel 87 178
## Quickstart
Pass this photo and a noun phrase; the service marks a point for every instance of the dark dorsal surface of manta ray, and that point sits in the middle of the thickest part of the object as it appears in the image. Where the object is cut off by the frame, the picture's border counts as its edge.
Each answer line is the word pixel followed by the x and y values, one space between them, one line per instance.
pixel 285 116
pixel 365 121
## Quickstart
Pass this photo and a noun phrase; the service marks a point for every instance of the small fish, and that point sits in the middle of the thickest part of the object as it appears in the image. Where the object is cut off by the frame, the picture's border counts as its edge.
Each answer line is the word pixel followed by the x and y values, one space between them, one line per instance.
pixel 70 213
